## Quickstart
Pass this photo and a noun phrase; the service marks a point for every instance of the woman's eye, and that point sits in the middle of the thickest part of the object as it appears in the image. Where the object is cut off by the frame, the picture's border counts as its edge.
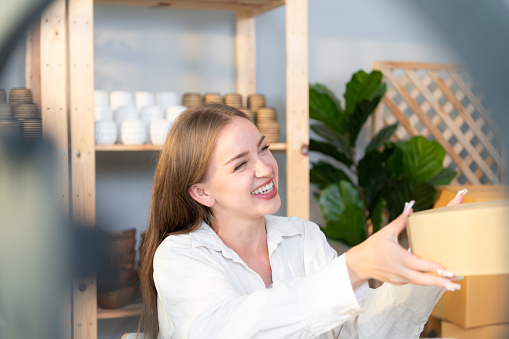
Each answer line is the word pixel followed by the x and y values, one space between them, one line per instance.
pixel 239 166
pixel 265 148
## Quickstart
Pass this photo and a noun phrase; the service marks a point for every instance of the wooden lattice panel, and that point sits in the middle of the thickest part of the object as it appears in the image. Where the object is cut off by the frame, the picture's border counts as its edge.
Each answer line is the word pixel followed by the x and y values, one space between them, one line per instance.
pixel 442 103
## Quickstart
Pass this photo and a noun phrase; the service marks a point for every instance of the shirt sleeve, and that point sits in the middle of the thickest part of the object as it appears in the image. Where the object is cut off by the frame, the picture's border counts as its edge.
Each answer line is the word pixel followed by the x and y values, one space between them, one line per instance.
pixel 388 311
pixel 203 303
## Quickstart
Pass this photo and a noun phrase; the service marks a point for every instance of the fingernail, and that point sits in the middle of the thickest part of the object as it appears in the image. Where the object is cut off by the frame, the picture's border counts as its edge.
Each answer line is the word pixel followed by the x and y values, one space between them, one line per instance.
pixel 408 206
pixel 452 287
pixel 462 192
pixel 445 273
pixel 457 278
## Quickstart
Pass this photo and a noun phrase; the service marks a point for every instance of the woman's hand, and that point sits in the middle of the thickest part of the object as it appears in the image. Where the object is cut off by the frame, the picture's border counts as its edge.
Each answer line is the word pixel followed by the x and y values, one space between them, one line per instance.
pixel 382 258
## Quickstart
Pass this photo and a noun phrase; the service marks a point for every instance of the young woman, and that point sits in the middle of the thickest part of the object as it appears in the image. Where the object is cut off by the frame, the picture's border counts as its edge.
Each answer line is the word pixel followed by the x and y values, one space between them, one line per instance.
pixel 216 264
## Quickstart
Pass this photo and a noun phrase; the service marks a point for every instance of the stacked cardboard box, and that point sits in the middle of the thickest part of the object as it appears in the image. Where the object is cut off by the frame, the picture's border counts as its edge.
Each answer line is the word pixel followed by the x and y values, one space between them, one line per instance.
pixel 481 308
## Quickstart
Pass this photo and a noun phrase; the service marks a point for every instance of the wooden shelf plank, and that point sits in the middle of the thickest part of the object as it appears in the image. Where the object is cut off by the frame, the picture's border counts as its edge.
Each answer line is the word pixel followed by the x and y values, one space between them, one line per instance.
pixel 276 147
pixel 254 7
pixel 132 310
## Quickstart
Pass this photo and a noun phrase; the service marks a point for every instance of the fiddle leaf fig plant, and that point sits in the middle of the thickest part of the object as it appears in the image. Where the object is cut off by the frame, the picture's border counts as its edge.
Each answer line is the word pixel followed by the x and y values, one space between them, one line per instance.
pixel 355 194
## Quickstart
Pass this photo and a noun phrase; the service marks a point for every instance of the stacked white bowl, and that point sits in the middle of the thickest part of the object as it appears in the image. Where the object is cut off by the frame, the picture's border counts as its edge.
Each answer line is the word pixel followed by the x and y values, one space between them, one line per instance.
pixel 122 113
pixel 173 112
pixel 105 128
pixel 133 132
pixel 143 99
pixel 150 113
pixel 159 130
pixel 120 98
pixel 166 99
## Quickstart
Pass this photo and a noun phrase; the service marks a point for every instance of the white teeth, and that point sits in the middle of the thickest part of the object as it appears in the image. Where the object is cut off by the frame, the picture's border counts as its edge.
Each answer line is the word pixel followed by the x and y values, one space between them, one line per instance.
pixel 264 189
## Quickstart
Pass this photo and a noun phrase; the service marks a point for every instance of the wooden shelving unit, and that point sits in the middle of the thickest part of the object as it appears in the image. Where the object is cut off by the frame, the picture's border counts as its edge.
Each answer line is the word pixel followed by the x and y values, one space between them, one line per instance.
pixel 131 310
pixel 60 66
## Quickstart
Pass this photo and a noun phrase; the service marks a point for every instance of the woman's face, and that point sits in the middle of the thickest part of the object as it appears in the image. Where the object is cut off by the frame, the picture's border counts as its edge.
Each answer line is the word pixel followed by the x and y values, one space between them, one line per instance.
pixel 242 178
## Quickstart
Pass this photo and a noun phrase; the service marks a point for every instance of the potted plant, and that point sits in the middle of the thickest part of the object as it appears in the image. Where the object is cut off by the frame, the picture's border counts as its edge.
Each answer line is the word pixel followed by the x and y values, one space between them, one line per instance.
pixel 357 194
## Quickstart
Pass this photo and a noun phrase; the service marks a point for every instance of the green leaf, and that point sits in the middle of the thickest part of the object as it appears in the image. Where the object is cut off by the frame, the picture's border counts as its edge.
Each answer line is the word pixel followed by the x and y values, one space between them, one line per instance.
pixel 332 137
pixel 394 164
pixel 361 87
pixel 344 208
pixel 398 191
pixel 349 228
pixel 323 174
pixel 330 150
pixel 331 203
pixel 350 194
pixel 359 116
pixel 444 177
pixel 371 174
pixel 382 137
pixel 377 213
pixel 363 93
pixel 325 107
pixel 422 159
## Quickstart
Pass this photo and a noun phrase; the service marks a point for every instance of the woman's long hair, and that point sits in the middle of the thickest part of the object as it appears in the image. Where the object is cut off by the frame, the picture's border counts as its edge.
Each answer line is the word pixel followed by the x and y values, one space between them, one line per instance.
pixel 183 161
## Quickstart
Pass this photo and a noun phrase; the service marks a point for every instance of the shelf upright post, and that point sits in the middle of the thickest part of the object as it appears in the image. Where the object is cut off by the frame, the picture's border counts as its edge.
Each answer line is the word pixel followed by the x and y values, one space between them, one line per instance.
pixel 245 54
pixel 47 78
pixel 81 113
pixel 297 108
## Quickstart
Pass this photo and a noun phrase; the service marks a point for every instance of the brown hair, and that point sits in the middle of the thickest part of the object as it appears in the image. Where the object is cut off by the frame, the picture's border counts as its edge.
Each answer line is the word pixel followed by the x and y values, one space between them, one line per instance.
pixel 183 161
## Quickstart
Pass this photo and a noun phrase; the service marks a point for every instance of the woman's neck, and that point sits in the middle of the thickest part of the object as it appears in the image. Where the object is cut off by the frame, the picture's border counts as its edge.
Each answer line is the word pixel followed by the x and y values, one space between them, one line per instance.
pixel 246 237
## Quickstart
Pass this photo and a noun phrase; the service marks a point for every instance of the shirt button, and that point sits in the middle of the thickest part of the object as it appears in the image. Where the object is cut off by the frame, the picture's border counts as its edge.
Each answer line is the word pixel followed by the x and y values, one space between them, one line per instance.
pixel 353 312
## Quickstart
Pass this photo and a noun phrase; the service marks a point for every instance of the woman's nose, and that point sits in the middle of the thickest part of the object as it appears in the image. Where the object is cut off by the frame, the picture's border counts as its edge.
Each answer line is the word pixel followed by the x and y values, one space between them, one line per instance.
pixel 262 169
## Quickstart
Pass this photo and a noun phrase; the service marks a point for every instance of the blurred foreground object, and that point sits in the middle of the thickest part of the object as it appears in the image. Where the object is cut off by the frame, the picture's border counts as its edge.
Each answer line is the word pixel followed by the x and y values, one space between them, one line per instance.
pixel 32 261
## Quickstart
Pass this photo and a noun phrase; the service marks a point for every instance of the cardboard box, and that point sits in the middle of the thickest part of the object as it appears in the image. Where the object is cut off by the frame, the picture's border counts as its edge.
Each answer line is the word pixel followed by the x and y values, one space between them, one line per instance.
pixel 476 193
pixel 450 330
pixel 467 239
pixel 482 300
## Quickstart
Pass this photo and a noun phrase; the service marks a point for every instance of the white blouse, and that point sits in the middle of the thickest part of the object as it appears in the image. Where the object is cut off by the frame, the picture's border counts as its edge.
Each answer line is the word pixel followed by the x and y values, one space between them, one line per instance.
pixel 205 290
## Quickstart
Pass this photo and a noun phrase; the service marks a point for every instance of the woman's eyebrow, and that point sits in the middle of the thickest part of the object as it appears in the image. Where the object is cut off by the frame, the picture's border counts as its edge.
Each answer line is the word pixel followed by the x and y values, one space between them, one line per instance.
pixel 243 154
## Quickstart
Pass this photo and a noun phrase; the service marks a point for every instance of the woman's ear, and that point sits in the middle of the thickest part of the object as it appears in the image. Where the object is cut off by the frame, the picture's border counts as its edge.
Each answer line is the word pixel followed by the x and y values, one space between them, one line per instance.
pixel 198 193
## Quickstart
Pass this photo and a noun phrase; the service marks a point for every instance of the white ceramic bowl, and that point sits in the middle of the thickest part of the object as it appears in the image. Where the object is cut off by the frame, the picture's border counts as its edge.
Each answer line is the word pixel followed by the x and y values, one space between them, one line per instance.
pixel 105 132
pixel 103 113
pixel 165 99
pixel 125 112
pixel 172 112
pixel 150 113
pixel 101 98
pixel 120 98
pixel 144 99
pixel 159 130
pixel 133 132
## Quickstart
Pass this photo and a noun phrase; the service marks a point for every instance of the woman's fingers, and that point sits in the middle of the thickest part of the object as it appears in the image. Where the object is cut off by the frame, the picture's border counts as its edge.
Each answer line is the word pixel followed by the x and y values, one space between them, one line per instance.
pixel 417 264
pixel 458 199
pixel 399 224
pixel 424 279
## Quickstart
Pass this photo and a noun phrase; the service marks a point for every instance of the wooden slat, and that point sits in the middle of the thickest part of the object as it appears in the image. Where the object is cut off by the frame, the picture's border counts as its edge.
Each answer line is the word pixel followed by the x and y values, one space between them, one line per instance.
pixel 81 89
pixel 403 120
pixel 468 119
pixel 466 142
pixel 245 55
pixel 33 62
pixel 451 125
pixel 431 127
pixel 52 67
pixel 297 102
pixel 414 65
pixel 132 310
pixel 474 100
pixel 254 7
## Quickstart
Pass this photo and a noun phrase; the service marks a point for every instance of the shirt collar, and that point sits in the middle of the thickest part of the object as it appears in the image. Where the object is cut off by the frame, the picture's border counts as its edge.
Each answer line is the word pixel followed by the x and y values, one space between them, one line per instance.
pixel 277 228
